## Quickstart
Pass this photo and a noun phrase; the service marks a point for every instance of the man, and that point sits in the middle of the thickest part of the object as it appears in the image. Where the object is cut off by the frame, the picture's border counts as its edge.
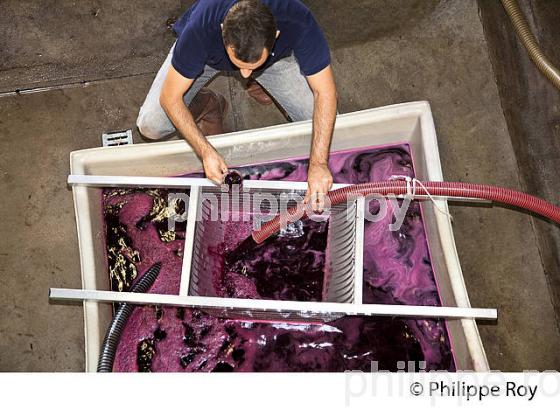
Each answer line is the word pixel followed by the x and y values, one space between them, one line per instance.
pixel 276 42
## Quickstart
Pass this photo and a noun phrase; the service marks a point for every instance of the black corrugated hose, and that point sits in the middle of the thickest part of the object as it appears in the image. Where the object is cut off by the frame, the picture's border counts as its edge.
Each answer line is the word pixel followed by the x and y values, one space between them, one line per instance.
pixel 116 327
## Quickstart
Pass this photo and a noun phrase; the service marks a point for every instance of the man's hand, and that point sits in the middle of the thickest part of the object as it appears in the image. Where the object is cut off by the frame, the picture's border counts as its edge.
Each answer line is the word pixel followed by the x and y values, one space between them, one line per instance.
pixel 319 181
pixel 215 167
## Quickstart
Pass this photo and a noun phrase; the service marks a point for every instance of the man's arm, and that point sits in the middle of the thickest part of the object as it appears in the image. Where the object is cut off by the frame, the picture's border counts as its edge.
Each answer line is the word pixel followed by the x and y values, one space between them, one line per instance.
pixel 319 177
pixel 171 99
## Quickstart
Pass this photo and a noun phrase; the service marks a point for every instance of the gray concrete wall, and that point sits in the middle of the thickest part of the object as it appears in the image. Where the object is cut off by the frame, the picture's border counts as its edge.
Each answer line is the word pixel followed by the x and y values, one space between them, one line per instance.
pixel 531 106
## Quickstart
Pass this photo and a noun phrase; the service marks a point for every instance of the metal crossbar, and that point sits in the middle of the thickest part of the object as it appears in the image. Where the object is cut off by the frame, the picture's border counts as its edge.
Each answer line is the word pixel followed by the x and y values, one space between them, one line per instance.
pixel 247 308
pixel 274 305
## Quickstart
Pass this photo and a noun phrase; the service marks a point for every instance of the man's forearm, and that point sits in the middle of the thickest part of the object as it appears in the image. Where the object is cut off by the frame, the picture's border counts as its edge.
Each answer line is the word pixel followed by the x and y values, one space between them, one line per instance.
pixel 324 115
pixel 171 99
pixel 181 117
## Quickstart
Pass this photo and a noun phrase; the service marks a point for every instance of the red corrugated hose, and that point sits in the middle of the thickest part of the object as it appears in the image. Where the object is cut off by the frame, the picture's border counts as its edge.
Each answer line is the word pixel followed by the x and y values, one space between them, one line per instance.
pixel 400 187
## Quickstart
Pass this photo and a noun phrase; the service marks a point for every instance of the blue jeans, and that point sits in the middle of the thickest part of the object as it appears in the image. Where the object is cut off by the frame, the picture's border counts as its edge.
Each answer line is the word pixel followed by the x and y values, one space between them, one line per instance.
pixel 283 81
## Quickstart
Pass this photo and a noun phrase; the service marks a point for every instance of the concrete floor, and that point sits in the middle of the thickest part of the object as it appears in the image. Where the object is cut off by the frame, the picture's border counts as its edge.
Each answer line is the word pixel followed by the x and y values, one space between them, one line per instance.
pixel 97 60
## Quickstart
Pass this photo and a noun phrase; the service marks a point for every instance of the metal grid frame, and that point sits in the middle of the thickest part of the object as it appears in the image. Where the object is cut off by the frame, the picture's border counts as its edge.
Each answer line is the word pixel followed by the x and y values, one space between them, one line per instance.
pixel 254 309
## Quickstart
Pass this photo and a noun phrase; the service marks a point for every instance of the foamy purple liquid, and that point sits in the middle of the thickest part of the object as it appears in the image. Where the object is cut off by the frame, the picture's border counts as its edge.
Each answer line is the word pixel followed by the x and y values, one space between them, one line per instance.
pixel 283 267
pixel 397 269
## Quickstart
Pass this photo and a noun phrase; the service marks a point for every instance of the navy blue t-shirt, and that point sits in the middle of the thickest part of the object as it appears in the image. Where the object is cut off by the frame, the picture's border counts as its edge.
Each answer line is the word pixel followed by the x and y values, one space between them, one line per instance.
pixel 200 38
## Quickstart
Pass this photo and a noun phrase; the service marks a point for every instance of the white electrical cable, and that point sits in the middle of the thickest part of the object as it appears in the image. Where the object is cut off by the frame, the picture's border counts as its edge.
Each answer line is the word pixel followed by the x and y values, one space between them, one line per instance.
pixel 411 191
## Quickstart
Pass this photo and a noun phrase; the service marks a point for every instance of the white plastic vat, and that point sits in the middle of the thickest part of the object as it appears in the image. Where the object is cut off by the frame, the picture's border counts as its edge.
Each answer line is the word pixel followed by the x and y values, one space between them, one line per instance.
pixel 410 123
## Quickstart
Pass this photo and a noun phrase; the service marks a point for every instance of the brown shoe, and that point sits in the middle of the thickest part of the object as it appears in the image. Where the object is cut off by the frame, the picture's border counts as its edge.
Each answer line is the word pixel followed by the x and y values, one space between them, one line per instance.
pixel 208 110
pixel 255 90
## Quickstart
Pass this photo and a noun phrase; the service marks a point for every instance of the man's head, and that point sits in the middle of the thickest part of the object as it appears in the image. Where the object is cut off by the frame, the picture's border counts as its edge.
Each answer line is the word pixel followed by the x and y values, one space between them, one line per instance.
pixel 249 32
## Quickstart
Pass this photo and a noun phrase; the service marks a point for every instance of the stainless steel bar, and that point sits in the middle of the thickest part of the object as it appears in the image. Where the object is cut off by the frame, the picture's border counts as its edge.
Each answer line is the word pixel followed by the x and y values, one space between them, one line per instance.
pixel 177 182
pixel 359 252
pixel 182 182
pixel 133 181
pixel 192 211
pixel 304 308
